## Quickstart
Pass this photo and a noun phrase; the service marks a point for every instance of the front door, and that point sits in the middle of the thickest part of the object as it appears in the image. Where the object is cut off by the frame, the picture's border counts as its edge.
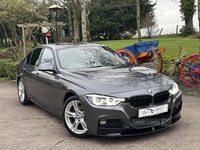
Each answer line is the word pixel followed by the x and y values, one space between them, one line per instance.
pixel 46 82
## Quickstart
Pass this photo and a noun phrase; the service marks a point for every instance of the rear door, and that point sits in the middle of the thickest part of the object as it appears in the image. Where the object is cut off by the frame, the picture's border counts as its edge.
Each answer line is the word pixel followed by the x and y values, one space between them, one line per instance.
pixel 29 71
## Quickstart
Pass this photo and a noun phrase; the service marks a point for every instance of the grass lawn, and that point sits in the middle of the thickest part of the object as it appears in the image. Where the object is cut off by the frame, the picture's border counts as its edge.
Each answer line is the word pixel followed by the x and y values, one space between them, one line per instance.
pixel 171 45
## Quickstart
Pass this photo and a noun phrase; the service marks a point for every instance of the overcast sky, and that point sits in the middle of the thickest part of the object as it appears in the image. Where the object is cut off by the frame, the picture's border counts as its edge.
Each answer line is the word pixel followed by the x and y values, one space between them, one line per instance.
pixel 168 16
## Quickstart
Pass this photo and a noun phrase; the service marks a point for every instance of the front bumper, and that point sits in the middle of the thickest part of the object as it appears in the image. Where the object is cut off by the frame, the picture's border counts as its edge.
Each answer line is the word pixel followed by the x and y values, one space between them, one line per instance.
pixel 122 120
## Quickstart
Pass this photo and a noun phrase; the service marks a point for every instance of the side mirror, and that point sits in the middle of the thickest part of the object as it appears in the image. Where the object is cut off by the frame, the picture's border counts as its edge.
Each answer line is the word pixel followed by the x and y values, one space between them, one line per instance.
pixel 46 67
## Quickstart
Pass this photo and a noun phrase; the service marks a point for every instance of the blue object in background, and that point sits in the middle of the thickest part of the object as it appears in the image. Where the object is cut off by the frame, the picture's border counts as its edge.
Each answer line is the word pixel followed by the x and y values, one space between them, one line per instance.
pixel 143 47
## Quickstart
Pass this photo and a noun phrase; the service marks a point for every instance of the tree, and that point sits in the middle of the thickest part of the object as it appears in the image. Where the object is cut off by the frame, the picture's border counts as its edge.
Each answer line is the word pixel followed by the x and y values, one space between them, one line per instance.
pixel 114 17
pixel 19 12
pixel 77 14
pixel 199 15
pixel 107 20
pixel 187 9
pixel 110 18
pixel 149 25
pixel 138 20
pixel 76 19
pixel 83 20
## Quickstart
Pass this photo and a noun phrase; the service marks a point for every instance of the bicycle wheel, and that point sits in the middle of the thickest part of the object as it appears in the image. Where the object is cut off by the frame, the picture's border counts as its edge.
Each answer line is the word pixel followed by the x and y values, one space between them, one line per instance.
pixel 190 71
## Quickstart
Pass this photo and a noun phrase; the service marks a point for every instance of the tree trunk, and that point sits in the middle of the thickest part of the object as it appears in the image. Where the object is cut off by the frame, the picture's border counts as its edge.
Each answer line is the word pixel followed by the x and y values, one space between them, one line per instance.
pixel 69 20
pixel 138 20
pixel 76 26
pixel 83 21
pixel 187 9
pixel 88 29
pixel 199 15
pixel 189 22
pixel 15 40
pixel 149 32
pixel 1 42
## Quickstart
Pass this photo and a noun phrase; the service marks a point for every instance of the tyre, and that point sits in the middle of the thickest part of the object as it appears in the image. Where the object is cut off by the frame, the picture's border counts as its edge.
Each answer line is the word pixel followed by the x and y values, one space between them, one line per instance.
pixel 74 118
pixel 22 93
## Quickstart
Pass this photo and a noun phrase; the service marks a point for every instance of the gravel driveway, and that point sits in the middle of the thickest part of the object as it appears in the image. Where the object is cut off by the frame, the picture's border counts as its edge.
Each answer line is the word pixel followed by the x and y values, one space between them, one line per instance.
pixel 32 128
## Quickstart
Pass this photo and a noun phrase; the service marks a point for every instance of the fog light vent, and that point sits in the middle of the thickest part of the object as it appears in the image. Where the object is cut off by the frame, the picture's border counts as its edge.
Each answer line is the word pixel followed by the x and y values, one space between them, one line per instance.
pixel 102 122
pixel 110 123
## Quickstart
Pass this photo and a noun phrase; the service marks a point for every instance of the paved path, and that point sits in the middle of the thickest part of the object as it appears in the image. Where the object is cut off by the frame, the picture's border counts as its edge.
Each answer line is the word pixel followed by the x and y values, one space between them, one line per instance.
pixel 32 128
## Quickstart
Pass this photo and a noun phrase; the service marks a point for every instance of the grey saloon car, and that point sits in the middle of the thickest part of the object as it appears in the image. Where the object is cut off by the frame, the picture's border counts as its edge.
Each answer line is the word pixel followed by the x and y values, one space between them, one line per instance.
pixel 96 91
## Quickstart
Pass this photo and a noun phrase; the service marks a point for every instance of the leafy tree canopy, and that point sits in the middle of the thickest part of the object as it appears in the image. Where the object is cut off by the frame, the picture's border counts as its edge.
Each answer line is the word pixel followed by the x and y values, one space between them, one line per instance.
pixel 110 18
pixel 187 9
pixel 22 11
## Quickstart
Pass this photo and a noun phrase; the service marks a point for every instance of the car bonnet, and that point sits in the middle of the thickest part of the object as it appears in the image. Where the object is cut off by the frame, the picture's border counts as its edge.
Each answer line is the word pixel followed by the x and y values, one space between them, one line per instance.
pixel 110 80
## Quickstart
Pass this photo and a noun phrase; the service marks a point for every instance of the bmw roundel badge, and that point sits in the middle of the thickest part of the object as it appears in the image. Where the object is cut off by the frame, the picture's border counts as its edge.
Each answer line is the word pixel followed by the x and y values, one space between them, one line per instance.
pixel 149 91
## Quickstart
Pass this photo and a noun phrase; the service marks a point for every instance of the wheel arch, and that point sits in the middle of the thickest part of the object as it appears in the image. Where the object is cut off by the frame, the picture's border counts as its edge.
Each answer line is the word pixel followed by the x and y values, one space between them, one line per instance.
pixel 68 95
pixel 18 78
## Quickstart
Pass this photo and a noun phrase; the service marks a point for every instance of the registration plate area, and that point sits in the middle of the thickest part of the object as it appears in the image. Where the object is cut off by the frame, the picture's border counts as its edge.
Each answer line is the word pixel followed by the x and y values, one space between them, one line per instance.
pixel 152 111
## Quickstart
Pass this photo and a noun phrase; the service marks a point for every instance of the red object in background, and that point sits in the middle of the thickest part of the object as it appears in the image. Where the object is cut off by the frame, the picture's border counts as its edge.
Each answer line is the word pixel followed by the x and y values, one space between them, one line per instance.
pixel 48 35
pixel 20 42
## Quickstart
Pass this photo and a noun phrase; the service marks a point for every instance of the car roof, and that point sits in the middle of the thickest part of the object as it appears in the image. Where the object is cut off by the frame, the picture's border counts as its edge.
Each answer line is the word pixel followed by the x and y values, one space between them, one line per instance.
pixel 64 45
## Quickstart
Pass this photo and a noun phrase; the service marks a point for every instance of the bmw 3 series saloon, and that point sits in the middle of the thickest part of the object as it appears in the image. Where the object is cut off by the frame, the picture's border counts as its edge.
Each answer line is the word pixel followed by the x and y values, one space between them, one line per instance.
pixel 96 91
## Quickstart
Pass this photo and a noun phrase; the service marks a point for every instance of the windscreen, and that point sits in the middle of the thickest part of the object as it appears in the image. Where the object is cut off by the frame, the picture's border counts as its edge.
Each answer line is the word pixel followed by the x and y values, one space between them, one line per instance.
pixel 89 56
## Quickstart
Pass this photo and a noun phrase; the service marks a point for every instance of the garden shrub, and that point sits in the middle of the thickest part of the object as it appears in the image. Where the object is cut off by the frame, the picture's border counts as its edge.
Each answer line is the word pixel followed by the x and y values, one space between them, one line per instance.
pixel 3 72
pixel 11 67
pixel 186 31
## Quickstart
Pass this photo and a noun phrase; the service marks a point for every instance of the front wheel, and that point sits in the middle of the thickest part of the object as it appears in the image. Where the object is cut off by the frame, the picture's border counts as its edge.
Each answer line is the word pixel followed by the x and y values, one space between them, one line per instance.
pixel 74 118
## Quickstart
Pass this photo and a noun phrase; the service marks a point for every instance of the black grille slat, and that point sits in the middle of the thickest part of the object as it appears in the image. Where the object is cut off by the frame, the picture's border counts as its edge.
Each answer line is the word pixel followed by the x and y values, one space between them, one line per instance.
pixel 161 97
pixel 146 100
pixel 141 100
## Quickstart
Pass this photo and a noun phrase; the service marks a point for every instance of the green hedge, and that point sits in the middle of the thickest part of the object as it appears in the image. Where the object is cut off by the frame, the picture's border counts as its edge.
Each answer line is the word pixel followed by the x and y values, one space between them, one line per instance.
pixel 11 69
pixel 8 68
pixel 3 72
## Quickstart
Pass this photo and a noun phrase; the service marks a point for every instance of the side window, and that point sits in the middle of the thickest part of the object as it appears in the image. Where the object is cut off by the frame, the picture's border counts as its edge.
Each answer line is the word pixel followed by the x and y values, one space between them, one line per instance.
pixel 28 57
pixel 47 57
pixel 35 56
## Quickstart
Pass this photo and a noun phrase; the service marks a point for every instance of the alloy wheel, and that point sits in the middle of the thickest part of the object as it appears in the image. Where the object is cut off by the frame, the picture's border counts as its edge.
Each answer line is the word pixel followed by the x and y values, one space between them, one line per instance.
pixel 75 118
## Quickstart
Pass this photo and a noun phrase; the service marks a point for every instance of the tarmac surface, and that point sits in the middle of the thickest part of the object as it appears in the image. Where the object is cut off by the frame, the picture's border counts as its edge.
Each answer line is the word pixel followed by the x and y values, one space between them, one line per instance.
pixel 32 128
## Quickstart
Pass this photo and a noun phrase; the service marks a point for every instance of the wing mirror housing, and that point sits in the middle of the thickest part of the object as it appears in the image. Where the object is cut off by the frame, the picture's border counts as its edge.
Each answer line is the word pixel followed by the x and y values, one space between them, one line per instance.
pixel 46 67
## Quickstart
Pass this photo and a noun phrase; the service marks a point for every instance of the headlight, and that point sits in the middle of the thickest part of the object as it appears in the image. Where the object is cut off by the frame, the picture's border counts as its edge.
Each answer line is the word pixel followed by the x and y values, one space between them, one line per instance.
pixel 174 89
pixel 104 100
